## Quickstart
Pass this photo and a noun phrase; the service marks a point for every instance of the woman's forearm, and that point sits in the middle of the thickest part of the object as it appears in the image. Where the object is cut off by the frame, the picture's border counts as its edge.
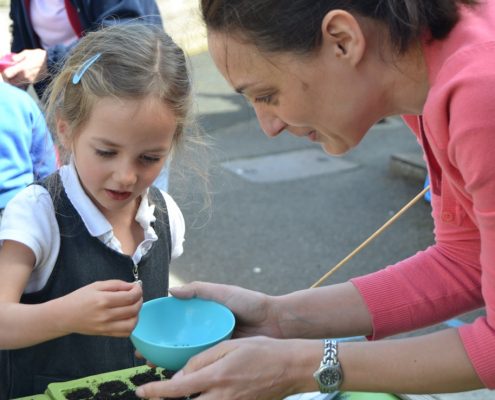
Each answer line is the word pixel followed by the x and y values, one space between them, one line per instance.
pixel 331 311
pixel 433 363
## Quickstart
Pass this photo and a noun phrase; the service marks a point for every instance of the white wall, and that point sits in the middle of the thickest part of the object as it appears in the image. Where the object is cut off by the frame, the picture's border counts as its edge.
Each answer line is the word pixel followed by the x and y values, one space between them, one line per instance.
pixel 183 22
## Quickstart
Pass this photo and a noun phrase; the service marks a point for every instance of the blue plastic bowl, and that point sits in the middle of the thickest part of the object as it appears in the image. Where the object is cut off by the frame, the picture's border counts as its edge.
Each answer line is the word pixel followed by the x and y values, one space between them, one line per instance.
pixel 170 331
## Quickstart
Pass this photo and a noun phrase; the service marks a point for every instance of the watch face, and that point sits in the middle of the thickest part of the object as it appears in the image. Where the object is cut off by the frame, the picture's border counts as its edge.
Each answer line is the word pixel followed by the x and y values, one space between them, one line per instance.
pixel 330 377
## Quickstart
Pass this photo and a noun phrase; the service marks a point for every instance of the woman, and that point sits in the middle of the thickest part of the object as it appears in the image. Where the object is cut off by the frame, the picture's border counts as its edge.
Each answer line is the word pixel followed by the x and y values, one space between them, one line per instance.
pixel 327 71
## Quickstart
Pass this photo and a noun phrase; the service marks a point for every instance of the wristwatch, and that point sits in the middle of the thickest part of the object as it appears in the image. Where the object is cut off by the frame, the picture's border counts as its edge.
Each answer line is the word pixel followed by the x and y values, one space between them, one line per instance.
pixel 329 375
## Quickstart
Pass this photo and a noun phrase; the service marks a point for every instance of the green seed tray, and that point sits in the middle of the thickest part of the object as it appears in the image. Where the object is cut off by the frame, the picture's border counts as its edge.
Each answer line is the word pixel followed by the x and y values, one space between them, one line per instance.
pixel 365 396
pixel 60 390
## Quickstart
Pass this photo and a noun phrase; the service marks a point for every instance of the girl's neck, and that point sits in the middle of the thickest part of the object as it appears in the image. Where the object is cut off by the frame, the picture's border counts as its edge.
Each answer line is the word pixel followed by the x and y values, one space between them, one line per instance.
pixel 126 229
pixel 130 236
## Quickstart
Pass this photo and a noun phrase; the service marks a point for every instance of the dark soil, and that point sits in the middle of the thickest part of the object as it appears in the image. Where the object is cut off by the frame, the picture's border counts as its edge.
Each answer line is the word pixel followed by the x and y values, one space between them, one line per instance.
pixel 168 374
pixel 129 395
pixel 112 387
pixel 125 395
pixel 79 394
pixel 118 390
pixel 145 377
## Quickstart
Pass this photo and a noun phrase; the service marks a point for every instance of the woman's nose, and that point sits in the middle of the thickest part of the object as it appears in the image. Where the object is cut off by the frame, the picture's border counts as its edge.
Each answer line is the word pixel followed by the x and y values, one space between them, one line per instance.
pixel 271 124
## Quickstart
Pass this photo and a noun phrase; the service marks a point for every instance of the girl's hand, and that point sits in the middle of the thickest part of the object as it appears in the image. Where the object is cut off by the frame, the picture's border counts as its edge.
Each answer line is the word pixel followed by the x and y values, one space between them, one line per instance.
pixel 30 67
pixel 107 308
pixel 255 312
pixel 243 369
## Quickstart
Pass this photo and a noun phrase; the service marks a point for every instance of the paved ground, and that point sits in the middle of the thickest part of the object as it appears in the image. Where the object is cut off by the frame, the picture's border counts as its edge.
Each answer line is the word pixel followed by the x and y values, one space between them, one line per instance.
pixel 275 229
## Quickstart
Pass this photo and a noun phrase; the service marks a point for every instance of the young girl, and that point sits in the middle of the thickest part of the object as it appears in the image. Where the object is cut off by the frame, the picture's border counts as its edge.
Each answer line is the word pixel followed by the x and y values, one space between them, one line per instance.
pixel 326 71
pixel 75 244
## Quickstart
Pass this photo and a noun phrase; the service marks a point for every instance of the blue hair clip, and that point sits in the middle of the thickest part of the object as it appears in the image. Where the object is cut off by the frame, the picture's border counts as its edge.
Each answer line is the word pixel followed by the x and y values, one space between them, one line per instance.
pixel 80 72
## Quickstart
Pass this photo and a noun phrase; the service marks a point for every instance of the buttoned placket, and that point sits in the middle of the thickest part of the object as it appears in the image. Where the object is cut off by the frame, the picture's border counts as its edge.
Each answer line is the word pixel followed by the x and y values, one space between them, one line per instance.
pixel 439 186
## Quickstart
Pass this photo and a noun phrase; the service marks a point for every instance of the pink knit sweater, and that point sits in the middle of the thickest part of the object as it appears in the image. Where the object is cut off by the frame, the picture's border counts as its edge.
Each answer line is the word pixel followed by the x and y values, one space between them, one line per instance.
pixel 457 133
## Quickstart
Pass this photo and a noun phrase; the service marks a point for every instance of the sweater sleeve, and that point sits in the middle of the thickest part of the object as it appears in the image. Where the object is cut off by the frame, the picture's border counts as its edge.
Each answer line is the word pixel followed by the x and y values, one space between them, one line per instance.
pixel 457 274
pixel 420 291
pixel 42 146
pixel 471 150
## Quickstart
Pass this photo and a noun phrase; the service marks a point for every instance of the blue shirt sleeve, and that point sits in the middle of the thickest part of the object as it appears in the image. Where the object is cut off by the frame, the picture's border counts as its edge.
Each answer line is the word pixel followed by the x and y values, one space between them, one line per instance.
pixel 26 145
pixel 43 153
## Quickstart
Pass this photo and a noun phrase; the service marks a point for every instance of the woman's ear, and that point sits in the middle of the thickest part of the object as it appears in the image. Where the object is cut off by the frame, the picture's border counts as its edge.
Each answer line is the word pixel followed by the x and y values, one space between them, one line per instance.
pixel 342 32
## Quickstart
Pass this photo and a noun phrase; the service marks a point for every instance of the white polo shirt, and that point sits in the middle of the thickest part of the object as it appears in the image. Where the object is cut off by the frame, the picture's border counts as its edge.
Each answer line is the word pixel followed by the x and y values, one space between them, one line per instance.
pixel 29 218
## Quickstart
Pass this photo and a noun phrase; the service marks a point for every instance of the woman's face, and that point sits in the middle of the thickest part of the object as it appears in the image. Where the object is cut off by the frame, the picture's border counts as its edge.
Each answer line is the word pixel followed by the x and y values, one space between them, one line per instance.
pixel 325 97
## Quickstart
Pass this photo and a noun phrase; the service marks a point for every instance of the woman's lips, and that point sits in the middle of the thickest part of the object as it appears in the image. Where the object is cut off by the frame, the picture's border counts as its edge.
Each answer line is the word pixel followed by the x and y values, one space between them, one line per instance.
pixel 115 195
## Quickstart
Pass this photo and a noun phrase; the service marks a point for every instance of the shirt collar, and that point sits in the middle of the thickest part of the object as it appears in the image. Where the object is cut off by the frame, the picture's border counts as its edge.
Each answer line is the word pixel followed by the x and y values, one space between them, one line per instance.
pixel 93 219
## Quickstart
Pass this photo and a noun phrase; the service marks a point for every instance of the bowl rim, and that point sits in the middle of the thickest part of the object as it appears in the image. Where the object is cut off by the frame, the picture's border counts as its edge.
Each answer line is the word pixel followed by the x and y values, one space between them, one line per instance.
pixel 171 298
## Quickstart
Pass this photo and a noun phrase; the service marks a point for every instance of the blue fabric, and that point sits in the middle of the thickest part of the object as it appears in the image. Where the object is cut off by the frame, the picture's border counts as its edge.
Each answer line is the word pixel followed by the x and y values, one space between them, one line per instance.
pixel 26 146
pixel 428 193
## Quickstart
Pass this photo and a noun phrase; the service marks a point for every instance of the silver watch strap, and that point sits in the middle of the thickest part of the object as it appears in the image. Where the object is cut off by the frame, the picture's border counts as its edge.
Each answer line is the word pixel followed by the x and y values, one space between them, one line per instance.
pixel 329 353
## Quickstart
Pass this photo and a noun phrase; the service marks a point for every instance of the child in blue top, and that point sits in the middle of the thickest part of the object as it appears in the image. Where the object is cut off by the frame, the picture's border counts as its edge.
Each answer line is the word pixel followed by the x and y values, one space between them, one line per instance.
pixel 68 298
pixel 26 146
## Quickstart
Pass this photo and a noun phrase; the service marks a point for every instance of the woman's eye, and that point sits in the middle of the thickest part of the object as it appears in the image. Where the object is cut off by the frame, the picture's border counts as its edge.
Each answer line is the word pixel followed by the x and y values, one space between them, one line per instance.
pixel 104 153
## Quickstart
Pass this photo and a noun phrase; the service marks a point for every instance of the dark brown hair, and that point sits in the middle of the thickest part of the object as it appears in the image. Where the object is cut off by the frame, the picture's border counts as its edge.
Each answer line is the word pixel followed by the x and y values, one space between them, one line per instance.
pixel 295 25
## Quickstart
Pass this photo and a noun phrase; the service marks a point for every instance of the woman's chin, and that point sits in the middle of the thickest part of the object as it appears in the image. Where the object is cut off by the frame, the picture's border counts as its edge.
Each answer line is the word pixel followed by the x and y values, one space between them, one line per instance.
pixel 335 149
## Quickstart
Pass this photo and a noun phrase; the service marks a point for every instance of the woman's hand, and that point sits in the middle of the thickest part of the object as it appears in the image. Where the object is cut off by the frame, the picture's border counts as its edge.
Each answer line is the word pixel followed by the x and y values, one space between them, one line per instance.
pixel 244 369
pixel 30 67
pixel 106 308
pixel 255 312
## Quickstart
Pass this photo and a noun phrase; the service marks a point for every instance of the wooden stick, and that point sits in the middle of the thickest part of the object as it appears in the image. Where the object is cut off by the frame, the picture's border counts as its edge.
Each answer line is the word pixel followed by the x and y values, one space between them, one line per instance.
pixel 373 236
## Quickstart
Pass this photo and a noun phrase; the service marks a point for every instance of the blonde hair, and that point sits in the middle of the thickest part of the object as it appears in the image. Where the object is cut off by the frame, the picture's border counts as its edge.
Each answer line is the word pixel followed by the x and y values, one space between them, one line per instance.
pixel 136 60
